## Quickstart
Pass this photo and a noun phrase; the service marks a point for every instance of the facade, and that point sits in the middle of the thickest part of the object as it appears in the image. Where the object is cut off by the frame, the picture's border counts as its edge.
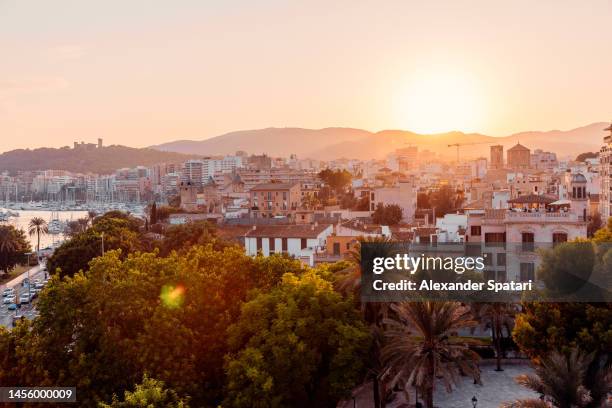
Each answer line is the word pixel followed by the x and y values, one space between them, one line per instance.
pixel 542 160
pixel 605 174
pixel 508 238
pixel 275 199
pixel 299 241
pixel 403 194
pixel 497 157
pixel 519 157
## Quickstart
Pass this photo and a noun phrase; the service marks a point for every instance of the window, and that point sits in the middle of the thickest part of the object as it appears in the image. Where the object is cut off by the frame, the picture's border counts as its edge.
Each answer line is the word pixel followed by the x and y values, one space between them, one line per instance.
pixel 495 239
pixel 527 271
pixel 559 237
pixel 259 243
pixel 527 240
pixel 272 244
pixel 284 195
pixel 304 243
pixel 284 244
pixel 336 248
pixel 489 275
pixel 475 230
pixel 501 259
pixel 501 276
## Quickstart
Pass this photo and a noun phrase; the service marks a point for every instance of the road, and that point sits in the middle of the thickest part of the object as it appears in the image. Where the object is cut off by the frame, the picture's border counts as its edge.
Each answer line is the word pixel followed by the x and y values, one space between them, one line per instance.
pixel 6 315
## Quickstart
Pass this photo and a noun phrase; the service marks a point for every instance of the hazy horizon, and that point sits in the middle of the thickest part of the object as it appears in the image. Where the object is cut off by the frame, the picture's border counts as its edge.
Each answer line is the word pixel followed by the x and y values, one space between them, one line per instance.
pixel 143 73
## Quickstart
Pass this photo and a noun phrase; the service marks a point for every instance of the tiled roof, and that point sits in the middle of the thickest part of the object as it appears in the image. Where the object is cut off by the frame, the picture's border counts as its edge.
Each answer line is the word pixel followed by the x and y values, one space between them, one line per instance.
pixel 516 147
pixel 532 198
pixel 287 231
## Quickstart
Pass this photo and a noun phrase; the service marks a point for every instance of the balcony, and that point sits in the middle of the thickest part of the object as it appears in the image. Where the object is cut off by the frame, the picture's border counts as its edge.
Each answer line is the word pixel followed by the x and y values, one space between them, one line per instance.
pixel 560 217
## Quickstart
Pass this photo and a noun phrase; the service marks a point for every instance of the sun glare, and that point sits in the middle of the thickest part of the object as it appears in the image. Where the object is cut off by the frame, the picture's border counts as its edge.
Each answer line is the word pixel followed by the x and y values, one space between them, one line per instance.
pixel 440 102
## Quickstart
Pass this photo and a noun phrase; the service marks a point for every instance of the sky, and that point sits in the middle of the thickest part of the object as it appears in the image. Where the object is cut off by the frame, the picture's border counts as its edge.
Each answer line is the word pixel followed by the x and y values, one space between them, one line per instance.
pixel 140 72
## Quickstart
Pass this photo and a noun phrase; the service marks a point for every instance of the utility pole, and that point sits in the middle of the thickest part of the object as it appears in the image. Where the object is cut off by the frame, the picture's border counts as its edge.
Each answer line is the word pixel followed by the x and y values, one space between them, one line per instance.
pixel 102 235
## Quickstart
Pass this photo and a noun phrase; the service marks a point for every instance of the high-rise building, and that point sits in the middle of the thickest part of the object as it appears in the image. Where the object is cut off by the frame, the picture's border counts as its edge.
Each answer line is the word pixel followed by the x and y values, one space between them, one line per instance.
pixel 497 157
pixel 605 161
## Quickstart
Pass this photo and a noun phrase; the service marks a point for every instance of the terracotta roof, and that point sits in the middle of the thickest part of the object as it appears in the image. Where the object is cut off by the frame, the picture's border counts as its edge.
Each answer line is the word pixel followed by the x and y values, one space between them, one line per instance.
pixel 272 186
pixel 532 198
pixel 287 231
pixel 516 147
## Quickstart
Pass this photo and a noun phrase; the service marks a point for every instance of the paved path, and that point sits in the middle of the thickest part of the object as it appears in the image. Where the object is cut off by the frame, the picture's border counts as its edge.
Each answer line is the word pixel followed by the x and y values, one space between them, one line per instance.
pixel 496 388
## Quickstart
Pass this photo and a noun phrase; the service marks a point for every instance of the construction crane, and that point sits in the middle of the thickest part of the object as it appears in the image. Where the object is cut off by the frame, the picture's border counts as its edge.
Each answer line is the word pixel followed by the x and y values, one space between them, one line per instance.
pixel 458 145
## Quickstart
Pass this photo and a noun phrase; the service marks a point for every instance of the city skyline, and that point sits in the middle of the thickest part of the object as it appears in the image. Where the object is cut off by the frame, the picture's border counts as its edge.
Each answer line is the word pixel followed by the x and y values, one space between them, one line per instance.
pixel 141 76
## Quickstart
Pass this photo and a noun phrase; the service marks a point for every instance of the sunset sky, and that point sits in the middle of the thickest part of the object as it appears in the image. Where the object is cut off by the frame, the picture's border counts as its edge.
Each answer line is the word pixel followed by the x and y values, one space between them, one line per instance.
pixel 145 72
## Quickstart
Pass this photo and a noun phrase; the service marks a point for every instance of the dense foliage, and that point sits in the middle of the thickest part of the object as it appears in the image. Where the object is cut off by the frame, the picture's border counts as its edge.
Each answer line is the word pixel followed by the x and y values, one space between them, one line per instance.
pixel 13 247
pixel 389 214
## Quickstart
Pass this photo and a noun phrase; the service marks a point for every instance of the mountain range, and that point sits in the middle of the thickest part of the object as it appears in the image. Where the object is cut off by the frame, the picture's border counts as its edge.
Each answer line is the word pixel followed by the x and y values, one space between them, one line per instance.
pixel 333 143
pixel 103 160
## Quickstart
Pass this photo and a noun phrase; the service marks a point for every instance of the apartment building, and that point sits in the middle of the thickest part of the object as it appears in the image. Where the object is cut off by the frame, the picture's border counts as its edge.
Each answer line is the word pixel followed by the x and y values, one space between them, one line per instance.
pixel 274 199
pixel 605 174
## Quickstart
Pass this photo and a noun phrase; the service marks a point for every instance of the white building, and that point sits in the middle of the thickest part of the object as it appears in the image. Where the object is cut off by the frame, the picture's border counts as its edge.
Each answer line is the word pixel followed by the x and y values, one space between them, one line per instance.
pixel 451 227
pixel 299 241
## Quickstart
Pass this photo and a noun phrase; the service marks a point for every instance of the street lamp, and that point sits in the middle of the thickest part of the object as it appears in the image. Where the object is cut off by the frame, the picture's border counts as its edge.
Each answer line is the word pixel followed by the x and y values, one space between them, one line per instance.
pixel 474 401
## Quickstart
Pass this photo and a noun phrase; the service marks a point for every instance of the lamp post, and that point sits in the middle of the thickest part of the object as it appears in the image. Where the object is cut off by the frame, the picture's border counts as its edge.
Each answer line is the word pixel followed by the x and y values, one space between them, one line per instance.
pixel 102 236
pixel 474 401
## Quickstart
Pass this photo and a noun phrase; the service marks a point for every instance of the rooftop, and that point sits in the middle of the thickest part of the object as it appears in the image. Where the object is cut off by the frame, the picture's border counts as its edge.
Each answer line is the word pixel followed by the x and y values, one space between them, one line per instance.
pixel 532 199
pixel 287 231
pixel 518 147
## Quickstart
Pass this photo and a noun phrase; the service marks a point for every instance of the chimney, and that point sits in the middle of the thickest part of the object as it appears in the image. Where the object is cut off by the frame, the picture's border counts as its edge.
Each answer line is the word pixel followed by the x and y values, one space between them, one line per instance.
pixel 254 227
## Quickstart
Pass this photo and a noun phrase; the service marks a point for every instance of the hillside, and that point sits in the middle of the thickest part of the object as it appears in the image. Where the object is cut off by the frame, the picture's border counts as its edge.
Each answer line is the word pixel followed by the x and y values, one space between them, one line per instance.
pixel 102 161
pixel 330 143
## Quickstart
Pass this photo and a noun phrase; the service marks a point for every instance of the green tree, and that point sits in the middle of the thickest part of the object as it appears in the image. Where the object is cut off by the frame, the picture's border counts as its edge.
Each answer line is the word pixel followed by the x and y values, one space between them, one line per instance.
pixel 445 200
pixel 422 346
pixel 183 237
pixel 118 230
pixel 562 380
pixel 13 247
pixel 390 214
pixel 153 213
pixel 38 227
pixel 497 316
pixel 299 345
pixel 567 267
pixel 148 394
pixel 337 180
pixel 102 329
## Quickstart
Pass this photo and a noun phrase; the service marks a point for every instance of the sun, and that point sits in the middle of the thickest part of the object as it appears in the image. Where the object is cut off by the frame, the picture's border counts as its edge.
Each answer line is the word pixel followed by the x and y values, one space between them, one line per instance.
pixel 435 102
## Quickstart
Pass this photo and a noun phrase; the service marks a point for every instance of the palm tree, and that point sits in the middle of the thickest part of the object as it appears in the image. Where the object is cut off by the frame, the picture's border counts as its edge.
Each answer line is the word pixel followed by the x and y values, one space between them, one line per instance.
pixel 422 346
pixel 497 316
pixel 349 282
pixel 37 226
pixel 560 379
pixel 7 243
pixel 91 215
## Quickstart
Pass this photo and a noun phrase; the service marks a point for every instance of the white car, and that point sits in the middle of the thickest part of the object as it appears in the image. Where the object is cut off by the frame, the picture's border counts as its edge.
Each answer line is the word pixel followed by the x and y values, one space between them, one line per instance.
pixel 9 299
pixel 24 298
pixel 8 292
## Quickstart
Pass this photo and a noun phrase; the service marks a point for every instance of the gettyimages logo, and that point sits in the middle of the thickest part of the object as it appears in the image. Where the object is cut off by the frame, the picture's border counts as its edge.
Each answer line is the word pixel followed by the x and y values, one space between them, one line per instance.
pixel 576 272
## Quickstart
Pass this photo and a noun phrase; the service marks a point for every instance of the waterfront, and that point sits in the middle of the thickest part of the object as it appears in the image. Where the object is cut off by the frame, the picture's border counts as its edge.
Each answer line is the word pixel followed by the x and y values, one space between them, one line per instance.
pixel 22 220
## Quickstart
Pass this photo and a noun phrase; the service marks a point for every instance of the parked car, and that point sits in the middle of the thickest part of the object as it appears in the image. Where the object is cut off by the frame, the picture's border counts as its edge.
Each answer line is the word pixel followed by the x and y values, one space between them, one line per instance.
pixel 24 298
pixel 8 300
pixel 8 292
pixel 13 306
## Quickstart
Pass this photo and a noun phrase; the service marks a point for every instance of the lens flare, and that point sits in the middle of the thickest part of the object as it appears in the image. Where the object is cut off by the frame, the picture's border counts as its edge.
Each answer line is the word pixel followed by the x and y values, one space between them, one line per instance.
pixel 172 296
